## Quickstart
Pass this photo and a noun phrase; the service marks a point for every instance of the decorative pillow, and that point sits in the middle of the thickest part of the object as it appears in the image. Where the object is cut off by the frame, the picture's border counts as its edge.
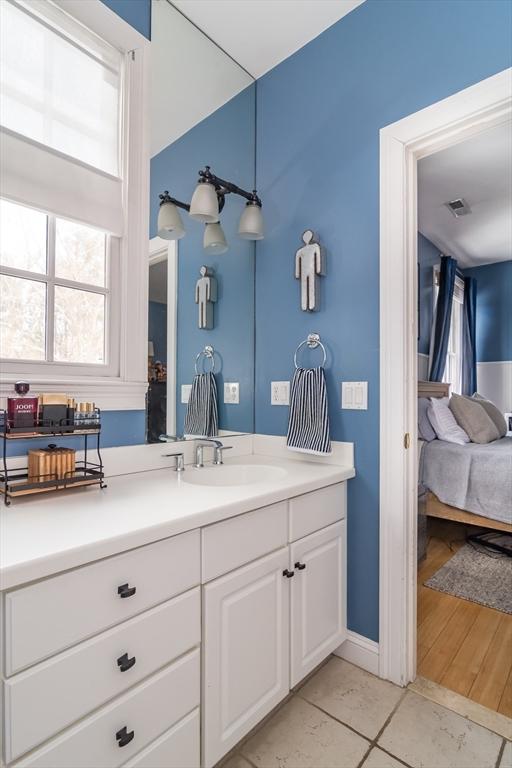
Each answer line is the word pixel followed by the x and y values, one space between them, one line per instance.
pixel 443 421
pixel 494 412
pixel 425 429
pixel 473 419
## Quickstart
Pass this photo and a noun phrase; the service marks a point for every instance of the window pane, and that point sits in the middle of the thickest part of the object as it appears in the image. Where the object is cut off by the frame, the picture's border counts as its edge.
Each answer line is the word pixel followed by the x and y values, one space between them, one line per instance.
pixel 22 237
pixel 79 326
pixel 22 318
pixel 79 253
pixel 60 89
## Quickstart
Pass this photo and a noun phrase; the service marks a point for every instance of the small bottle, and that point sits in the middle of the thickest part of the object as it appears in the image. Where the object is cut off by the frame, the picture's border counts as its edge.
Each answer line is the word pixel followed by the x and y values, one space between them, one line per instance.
pixel 22 410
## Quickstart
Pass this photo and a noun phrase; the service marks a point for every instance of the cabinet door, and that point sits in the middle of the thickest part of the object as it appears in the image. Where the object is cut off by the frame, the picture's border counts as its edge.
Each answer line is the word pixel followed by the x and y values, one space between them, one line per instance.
pixel 246 650
pixel 318 598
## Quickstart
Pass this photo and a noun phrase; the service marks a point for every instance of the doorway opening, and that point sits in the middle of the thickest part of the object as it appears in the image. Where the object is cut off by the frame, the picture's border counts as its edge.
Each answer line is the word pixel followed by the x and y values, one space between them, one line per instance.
pixel 467 114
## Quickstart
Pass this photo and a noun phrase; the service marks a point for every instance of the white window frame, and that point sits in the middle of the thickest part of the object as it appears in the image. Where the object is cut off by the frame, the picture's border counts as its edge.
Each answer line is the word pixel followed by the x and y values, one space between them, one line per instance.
pixel 453 366
pixel 122 383
pixel 111 326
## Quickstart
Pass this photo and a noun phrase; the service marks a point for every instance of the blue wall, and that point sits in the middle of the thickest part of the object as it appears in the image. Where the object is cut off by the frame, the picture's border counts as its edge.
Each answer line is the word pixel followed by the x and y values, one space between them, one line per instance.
pixel 493 311
pixel 157 329
pixel 319 115
pixel 428 257
pixel 226 141
pixel 117 428
pixel 135 12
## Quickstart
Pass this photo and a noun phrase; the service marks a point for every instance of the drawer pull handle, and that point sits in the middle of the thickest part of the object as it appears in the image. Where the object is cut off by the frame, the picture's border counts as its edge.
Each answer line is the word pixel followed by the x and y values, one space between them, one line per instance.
pixel 126 591
pixel 124 736
pixel 124 663
pixel 288 573
pixel 300 566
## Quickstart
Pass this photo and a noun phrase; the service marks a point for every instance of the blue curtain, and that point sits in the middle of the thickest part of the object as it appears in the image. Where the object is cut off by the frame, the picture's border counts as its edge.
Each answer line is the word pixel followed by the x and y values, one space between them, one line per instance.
pixel 443 317
pixel 469 338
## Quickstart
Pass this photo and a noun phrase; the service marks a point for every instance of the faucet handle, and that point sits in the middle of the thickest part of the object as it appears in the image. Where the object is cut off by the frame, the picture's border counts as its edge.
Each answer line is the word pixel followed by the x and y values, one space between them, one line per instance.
pixel 218 453
pixel 179 459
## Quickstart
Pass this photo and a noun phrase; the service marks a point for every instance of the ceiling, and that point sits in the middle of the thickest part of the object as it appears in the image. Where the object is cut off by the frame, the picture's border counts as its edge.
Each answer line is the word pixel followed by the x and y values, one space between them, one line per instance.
pixel 259 34
pixel 479 170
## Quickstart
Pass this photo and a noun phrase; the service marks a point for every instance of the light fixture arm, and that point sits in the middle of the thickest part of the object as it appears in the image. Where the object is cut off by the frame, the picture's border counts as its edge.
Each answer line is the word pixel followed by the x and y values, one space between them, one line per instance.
pixel 166 198
pixel 226 187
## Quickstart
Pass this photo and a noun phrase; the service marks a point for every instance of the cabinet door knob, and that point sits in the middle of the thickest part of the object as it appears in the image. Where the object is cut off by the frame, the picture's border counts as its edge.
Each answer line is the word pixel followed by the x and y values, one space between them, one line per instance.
pixel 126 591
pixel 288 573
pixel 124 663
pixel 300 566
pixel 124 736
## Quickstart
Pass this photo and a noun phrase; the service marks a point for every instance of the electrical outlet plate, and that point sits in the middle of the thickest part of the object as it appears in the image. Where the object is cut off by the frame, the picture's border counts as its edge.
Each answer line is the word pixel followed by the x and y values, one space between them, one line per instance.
pixel 232 392
pixel 186 389
pixel 354 395
pixel 280 393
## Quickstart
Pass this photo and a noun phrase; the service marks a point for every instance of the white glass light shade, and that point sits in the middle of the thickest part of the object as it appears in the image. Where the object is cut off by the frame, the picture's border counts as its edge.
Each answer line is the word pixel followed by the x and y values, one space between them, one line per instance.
pixel 170 225
pixel 251 223
pixel 214 240
pixel 204 205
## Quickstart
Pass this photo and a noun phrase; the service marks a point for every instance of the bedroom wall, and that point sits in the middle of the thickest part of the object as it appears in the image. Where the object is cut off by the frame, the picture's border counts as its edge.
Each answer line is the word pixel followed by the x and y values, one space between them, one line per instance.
pixel 157 329
pixel 319 115
pixel 494 331
pixel 428 257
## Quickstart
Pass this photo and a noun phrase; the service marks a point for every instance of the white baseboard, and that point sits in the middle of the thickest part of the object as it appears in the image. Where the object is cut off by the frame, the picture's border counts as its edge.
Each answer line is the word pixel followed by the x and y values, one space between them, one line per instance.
pixel 361 651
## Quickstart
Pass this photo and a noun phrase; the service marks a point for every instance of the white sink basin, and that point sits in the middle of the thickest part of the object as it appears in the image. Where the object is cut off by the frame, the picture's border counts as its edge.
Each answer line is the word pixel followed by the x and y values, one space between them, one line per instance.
pixel 235 474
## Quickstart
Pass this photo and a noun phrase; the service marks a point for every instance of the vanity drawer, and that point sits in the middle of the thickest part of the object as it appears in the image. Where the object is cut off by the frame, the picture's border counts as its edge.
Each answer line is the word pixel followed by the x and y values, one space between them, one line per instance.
pixel 231 543
pixel 53 614
pixel 177 748
pixel 148 710
pixel 318 509
pixel 84 677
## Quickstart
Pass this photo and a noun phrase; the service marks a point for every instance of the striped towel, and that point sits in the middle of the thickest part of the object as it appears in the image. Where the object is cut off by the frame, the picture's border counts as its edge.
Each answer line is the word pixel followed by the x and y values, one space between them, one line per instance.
pixel 308 423
pixel 201 419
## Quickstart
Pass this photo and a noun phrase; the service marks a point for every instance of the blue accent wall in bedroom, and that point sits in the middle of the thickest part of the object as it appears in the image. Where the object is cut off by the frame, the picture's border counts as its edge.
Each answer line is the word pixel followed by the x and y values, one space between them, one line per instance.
pixel 428 257
pixel 319 115
pixel 157 329
pixel 225 140
pixel 493 311
pixel 136 12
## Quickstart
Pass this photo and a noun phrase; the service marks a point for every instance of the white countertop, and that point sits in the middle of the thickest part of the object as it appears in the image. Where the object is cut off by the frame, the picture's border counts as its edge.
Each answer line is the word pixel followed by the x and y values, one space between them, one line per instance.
pixel 40 536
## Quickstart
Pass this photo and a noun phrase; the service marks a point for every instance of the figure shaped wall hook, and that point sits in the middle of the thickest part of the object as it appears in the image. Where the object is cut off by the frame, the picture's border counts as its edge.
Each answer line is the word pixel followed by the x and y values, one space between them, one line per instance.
pixel 206 296
pixel 309 265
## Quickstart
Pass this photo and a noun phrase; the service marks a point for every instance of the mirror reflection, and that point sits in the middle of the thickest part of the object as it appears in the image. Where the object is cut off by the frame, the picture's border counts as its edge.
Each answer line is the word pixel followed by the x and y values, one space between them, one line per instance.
pixel 205 215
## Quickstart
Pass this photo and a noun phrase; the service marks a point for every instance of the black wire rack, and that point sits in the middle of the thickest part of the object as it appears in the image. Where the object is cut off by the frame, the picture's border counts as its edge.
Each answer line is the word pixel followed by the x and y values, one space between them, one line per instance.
pixel 17 482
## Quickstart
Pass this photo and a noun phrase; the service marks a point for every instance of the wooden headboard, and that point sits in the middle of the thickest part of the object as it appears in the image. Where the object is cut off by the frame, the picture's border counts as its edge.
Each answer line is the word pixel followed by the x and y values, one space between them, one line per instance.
pixel 433 389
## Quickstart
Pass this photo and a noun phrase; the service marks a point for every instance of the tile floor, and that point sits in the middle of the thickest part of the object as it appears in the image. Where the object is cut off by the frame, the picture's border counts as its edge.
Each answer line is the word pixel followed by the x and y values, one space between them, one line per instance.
pixel 343 717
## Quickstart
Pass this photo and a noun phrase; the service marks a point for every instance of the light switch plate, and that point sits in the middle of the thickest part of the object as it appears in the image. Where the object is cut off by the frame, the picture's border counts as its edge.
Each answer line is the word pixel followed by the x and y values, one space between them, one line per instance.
pixel 280 393
pixel 186 389
pixel 232 392
pixel 354 395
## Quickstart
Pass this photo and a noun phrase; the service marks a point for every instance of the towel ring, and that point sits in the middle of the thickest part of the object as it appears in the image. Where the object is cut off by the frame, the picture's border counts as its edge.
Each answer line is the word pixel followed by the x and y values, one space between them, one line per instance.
pixel 207 352
pixel 313 341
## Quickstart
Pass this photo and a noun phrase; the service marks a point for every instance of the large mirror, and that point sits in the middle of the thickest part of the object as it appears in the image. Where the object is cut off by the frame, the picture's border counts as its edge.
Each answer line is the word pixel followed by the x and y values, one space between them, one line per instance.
pixel 201 300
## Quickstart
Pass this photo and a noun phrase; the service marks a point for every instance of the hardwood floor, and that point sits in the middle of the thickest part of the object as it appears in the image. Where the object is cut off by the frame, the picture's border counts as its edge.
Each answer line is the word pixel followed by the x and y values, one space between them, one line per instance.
pixel 462 645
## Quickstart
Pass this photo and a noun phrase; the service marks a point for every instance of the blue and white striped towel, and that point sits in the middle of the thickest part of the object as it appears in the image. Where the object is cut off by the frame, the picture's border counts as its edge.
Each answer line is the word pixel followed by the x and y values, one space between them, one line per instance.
pixel 308 423
pixel 201 419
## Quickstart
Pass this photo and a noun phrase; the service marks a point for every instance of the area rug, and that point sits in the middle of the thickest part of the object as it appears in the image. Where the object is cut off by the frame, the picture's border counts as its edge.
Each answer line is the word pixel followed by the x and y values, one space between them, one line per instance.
pixel 476 576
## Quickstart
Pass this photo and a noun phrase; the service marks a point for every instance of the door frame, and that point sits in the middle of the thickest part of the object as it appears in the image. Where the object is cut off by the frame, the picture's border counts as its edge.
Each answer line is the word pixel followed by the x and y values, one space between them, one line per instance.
pixel 446 123
pixel 167 250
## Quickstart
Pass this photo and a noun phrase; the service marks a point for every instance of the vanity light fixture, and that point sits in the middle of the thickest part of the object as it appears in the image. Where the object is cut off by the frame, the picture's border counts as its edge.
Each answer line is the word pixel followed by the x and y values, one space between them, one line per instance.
pixel 206 205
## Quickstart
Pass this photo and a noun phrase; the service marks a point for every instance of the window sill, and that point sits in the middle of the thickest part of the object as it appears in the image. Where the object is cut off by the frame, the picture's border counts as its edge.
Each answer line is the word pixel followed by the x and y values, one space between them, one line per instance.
pixel 108 393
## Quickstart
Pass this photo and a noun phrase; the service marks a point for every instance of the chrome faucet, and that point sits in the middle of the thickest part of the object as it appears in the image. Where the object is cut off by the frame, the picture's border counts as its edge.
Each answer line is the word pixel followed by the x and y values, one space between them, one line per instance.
pixel 207 443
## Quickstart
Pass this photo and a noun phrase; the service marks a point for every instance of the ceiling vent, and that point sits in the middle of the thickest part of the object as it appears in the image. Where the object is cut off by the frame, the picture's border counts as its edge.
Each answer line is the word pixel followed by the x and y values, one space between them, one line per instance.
pixel 458 207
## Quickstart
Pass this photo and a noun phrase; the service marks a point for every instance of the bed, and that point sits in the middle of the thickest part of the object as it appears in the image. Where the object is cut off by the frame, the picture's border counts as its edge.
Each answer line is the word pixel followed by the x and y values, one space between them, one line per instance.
pixel 470 483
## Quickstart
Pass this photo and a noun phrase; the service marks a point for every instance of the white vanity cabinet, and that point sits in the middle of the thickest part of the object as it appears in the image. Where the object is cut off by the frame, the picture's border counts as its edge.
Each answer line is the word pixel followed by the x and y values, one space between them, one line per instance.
pixel 267 624
pixel 246 621
pixel 318 590
pixel 165 656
